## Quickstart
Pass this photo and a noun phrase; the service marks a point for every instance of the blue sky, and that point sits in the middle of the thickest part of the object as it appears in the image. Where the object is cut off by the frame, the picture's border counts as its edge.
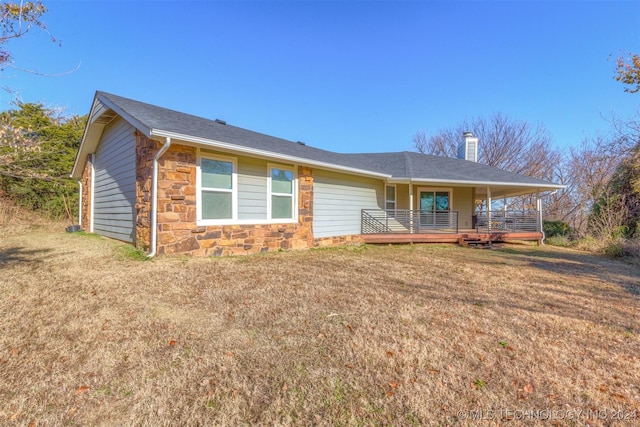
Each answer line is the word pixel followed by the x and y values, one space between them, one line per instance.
pixel 350 76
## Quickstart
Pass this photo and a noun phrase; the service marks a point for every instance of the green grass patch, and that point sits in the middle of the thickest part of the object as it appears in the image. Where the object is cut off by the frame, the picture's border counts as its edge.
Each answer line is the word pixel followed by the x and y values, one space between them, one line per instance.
pixel 132 253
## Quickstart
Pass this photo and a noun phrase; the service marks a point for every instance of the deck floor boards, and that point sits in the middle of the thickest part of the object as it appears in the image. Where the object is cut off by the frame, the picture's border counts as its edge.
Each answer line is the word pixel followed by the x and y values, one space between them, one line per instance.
pixel 436 237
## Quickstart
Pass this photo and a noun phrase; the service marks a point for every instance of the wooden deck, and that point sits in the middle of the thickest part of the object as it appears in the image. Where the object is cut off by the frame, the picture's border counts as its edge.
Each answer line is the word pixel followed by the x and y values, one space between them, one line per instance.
pixel 462 235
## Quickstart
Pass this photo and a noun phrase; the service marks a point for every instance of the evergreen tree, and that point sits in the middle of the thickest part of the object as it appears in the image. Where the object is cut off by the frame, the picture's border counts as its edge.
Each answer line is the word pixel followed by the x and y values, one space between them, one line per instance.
pixel 37 151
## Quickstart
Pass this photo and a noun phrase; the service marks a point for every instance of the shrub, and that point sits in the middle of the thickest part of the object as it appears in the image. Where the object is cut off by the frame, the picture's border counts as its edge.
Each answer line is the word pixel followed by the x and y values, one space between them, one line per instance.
pixel 589 244
pixel 556 228
pixel 614 249
pixel 563 241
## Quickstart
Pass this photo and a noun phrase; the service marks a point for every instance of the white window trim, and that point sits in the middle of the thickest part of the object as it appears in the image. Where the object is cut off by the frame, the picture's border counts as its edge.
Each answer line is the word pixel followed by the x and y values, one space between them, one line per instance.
pixel 395 195
pixel 234 190
pixel 294 195
pixel 234 193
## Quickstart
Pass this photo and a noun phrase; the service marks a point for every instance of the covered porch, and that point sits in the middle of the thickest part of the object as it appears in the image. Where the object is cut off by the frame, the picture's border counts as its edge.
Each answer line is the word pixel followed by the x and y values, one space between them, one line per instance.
pixel 414 226
pixel 427 212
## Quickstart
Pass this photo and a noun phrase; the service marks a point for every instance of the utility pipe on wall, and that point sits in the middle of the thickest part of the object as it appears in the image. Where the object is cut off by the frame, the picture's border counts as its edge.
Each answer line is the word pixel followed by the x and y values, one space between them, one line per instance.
pixel 154 197
pixel 539 206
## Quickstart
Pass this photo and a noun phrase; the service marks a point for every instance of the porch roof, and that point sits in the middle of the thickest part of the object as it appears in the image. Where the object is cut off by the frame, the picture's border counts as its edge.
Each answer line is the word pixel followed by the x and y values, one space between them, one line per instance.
pixel 423 169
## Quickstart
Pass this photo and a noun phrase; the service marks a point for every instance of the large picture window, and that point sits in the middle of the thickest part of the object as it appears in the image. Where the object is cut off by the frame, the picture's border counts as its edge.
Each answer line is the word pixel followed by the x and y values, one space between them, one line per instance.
pixel 390 197
pixel 282 190
pixel 217 186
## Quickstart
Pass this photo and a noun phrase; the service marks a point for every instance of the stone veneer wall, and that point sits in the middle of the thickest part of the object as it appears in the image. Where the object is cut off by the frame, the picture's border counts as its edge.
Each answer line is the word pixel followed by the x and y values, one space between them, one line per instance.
pixel 178 232
pixel 86 196
pixel 145 150
pixel 352 239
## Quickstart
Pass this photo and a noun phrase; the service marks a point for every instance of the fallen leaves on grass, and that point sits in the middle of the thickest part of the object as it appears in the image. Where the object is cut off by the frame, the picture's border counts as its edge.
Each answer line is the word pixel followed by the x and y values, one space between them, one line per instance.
pixel 82 390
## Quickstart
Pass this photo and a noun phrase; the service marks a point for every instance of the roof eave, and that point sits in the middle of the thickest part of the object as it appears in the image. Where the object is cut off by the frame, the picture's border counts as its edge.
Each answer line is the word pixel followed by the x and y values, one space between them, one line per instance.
pixel 263 153
pixel 498 189
pixel 400 180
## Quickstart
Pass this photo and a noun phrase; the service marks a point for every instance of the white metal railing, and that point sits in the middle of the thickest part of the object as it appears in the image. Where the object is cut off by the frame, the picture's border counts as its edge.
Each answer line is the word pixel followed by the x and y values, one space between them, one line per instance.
pixel 381 221
pixel 507 221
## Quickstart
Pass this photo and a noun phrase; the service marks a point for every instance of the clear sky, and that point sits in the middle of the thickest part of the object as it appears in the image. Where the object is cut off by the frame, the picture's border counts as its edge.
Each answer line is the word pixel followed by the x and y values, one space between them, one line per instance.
pixel 350 76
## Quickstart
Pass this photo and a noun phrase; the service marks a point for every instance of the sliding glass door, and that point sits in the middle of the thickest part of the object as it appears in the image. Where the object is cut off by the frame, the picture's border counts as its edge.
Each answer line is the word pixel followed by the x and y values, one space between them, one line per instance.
pixel 435 209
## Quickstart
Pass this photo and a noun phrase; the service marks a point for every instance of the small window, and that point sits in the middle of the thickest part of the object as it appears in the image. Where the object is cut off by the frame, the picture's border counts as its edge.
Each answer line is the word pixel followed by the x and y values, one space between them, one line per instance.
pixel 282 191
pixel 216 178
pixel 390 198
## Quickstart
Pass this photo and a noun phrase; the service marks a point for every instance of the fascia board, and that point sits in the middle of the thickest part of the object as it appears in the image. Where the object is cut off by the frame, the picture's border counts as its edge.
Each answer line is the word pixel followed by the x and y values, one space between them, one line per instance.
pixel 263 153
pixel 126 116
pixel 88 136
pixel 480 183
pixel 91 134
pixel 94 130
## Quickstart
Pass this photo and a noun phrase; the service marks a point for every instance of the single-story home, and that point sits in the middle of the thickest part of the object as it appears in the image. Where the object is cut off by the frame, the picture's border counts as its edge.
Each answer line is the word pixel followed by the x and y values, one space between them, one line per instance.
pixel 170 182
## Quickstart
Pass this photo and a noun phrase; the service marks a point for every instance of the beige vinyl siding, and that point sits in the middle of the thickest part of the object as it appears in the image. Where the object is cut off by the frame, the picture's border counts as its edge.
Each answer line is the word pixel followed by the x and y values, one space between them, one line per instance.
pixel 402 196
pixel 114 188
pixel 463 202
pixel 338 200
pixel 252 183
pixel 252 189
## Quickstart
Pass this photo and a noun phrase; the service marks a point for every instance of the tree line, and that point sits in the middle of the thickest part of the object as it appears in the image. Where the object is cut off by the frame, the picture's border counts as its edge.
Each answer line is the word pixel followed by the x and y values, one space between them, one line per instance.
pixel 601 201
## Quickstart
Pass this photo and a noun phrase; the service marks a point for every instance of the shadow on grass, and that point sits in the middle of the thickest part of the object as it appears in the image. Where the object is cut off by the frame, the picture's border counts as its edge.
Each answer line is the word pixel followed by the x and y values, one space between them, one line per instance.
pixel 568 284
pixel 617 272
pixel 566 301
pixel 16 255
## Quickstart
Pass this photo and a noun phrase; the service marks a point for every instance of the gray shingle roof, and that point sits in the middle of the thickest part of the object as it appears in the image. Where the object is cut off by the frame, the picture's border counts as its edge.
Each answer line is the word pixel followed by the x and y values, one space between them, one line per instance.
pixel 398 165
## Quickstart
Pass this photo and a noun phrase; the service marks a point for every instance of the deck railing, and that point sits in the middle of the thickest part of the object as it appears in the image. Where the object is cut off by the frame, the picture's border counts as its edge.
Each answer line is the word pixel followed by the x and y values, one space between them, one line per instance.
pixel 507 221
pixel 380 221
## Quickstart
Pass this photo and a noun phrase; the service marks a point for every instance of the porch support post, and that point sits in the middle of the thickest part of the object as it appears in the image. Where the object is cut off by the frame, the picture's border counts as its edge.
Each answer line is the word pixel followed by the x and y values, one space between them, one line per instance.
pixel 489 209
pixel 539 207
pixel 411 230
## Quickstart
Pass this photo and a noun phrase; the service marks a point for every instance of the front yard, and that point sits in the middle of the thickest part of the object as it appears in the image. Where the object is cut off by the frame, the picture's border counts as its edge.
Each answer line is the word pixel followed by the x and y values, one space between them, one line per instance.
pixel 391 335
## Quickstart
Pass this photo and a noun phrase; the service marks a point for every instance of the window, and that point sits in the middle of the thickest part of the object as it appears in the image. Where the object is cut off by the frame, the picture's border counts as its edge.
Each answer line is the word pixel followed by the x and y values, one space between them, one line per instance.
pixel 281 188
pixel 390 197
pixel 217 189
pixel 241 190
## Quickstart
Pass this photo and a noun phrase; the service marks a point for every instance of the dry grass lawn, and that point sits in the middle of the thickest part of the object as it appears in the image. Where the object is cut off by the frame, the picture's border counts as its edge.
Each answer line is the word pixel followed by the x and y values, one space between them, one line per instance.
pixel 406 335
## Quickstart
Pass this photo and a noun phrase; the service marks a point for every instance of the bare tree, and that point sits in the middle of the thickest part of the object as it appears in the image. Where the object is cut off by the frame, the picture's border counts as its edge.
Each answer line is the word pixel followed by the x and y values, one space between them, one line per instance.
pixel 16 19
pixel 589 169
pixel 505 143
pixel 558 205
